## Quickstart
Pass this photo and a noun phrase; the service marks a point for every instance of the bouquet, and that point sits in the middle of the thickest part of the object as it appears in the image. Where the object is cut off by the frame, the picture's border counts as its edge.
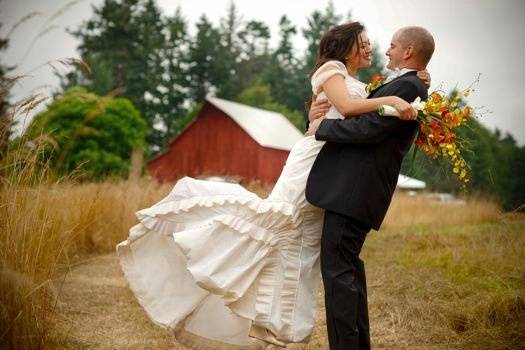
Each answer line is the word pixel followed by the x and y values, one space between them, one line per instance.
pixel 438 118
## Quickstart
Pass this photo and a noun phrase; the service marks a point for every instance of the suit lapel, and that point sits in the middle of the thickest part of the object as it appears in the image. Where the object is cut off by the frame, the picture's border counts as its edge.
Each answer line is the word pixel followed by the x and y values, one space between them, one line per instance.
pixel 372 94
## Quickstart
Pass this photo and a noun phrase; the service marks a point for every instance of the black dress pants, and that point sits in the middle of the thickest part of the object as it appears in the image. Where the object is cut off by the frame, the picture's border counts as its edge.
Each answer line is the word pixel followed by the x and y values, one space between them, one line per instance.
pixel 344 282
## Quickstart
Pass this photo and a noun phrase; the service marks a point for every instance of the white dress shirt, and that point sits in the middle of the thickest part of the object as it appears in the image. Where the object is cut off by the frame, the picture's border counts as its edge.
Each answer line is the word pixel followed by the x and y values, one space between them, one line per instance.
pixel 397 73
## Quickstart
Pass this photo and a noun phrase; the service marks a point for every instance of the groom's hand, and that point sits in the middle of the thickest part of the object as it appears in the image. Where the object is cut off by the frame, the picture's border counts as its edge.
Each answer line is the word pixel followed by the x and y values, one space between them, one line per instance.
pixel 318 109
pixel 425 76
pixel 314 125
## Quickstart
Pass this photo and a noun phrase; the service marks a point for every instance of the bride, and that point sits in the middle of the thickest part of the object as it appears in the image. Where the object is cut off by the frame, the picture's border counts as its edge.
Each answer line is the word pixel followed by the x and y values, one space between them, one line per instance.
pixel 226 269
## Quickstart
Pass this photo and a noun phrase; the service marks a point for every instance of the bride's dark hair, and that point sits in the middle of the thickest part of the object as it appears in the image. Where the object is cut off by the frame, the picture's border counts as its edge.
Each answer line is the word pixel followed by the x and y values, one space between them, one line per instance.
pixel 336 44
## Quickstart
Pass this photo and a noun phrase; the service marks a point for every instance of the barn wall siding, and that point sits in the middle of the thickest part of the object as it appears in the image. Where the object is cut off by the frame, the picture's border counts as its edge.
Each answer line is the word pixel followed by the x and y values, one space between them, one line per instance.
pixel 214 144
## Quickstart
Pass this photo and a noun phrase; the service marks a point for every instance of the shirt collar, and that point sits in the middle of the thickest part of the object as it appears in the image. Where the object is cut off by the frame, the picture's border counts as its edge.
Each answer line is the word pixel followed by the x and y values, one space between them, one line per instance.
pixel 397 73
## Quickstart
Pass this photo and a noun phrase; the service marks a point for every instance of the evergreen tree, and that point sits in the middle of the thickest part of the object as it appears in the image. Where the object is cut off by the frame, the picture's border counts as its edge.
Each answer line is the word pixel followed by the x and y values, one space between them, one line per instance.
pixel 318 22
pixel 207 71
pixel 254 53
pixel 229 29
pixel 254 39
pixel 282 75
pixel 123 44
pixel 173 92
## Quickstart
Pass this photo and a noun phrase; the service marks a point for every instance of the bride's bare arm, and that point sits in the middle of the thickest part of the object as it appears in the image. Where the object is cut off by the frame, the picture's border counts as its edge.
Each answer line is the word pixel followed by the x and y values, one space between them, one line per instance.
pixel 336 91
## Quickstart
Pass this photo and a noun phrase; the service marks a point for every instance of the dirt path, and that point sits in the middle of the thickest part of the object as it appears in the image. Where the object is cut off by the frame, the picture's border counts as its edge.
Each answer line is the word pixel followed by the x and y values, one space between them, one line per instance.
pixel 98 311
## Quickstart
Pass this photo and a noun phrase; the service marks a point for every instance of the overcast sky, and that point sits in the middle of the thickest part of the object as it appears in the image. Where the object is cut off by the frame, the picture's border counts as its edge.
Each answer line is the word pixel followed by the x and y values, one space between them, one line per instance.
pixel 472 36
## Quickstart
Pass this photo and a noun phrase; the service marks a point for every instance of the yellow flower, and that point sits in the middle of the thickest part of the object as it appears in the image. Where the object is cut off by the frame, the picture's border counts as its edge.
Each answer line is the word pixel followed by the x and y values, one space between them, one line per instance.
pixel 436 97
pixel 467 111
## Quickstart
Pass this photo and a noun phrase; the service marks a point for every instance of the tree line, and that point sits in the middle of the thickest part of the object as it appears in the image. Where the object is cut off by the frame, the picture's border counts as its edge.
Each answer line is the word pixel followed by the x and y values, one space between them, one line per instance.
pixel 165 71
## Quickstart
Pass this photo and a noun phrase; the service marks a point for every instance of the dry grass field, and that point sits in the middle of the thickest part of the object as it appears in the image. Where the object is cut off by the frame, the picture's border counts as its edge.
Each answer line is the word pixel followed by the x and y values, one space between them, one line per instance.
pixel 440 276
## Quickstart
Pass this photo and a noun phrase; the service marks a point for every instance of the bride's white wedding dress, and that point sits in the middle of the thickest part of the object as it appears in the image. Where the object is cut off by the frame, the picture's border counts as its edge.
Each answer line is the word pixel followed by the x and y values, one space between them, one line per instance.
pixel 226 269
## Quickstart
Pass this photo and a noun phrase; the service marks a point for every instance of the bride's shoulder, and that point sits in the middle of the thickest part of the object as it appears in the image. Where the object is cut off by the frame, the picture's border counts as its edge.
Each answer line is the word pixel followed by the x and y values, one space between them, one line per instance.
pixel 331 65
pixel 325 71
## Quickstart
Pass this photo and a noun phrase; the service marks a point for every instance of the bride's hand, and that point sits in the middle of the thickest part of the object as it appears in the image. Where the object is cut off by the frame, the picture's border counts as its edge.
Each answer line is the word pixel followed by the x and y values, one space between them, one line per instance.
pixel 425 76
pixel 318 109
pixel 405 109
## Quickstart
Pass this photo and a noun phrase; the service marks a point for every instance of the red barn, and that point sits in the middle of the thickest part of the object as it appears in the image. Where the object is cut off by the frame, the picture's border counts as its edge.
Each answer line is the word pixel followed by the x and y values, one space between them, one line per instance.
pixel 228 139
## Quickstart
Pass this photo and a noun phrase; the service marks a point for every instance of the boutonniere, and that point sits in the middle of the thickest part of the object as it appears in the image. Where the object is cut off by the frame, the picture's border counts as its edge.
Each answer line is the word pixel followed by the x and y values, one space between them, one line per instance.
pixel 375 82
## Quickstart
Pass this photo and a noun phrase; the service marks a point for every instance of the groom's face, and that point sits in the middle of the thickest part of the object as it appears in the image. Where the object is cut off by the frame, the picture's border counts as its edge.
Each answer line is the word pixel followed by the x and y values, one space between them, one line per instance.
pixel 395 53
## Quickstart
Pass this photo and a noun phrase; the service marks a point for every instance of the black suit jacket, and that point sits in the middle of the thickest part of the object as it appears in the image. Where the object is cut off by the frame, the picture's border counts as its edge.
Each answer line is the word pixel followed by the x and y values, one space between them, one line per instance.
pixel 356 171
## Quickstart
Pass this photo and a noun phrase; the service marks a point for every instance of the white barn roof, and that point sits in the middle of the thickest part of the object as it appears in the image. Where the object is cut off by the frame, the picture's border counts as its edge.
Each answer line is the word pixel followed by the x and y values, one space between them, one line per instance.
pixel 409 183
pixel 268 129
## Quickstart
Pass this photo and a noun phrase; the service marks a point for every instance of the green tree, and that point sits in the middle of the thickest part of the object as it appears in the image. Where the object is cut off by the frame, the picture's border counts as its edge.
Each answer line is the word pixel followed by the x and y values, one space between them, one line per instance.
pixel 92 135
pixel 172 93
pixel 123 44
pixel 259 95
pixel 282 75
pixel 254 38
pixel 209 68
pixel 229 30
pixel 254 53
pixel 318 22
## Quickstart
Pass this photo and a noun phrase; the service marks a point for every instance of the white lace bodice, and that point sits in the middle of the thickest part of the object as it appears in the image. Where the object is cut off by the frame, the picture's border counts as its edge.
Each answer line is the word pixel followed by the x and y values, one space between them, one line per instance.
pixel 356 89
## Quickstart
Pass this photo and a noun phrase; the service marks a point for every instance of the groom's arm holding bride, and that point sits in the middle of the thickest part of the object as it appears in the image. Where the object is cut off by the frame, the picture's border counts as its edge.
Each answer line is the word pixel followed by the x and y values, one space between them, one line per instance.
pixel 319 108
pixel 370 127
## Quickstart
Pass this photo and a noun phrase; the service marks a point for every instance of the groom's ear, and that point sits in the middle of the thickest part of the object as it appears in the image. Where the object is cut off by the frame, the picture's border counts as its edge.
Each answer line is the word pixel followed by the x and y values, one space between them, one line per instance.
pixel 409 52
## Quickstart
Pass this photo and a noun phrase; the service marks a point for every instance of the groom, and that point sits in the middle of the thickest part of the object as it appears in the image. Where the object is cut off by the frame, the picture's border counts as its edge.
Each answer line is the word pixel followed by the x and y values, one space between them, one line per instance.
pixel 353 179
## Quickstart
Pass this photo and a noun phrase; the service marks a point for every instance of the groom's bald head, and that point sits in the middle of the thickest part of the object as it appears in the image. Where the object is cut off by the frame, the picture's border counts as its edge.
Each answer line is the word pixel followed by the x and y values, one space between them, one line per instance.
pixel 420 39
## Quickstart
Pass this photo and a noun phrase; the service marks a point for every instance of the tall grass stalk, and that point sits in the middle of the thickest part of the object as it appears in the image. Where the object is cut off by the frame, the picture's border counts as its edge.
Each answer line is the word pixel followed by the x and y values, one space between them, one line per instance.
pixel 46 223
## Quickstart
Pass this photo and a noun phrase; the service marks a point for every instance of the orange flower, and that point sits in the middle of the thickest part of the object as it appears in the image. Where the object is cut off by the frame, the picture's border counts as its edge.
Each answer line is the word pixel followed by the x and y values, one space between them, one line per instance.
pixel 438 138
pixel 376 78
pixel 466 112
pixel 436 97
pixel 450 137
pixel 438 120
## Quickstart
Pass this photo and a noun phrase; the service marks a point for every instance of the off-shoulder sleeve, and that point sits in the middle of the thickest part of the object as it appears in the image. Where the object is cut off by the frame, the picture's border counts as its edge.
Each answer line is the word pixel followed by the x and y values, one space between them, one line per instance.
pixel 326 71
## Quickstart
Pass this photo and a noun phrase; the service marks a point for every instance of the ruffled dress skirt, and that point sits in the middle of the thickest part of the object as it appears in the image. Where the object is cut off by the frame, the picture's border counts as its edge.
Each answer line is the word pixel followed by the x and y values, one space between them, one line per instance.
pixel 226 269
